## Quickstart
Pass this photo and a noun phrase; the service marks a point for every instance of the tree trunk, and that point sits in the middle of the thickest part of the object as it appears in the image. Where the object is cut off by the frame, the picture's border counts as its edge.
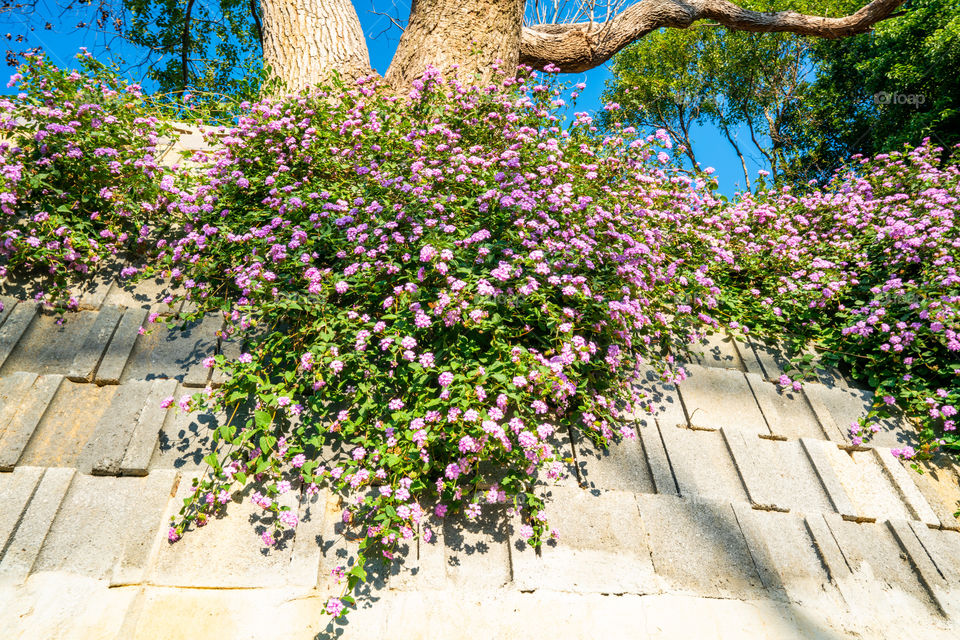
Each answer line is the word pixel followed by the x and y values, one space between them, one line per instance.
pixel 472 34
pixel 304 41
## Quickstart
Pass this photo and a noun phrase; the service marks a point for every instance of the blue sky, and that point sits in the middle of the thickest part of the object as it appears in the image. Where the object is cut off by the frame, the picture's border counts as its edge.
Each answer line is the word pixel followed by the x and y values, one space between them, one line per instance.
pixel 64 40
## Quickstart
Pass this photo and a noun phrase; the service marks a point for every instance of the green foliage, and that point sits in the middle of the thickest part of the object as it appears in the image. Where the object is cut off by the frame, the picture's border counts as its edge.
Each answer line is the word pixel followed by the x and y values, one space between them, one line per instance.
pixel 878 91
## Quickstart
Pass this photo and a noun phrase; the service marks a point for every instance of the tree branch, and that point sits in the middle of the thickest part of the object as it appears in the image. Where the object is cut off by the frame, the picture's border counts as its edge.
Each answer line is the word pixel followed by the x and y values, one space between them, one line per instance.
pixel 185 47
pixel 581 46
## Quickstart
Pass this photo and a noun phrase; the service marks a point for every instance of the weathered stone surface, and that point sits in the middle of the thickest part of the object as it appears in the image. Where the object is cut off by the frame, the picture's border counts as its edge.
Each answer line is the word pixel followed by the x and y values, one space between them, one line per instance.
pixel 226 552
pixel 786 558
pixel 844 406
pixel 871 491
pixel 13 388
pixel 698 548
pixel 105 450
pixel 940 485
pixel 662 397
pixel 924 567
pixel 63 605
pixel 882 570
pixel 841 574
pixel 763 358
pixel 16 490
pixel 143 440
pixel 702 464
pixel 7 303
pixel 912 499
pixel 622 466
pixel 819 453
pixel 715 350
pixel 115 359
pixel 174 353
pixel 602 548
pixel 144 530
pixel 657 460
pixel 716 398
pixel 67 424
pixel 18 319
pixel 476 555
pixel 25 543
pixel 184 438
pixel 94 346
pixel 144 295
pixel 943 546
pixel 18 430
pixel 84 538
pixel 308 538
pixel 50 343
pixel 777 474
pixel 786 412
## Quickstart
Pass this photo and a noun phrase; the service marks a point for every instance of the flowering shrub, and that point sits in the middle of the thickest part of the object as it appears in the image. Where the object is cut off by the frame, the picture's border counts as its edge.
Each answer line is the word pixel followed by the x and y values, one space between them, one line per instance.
pixel 867 270
pixel 429 288
pixel 79 178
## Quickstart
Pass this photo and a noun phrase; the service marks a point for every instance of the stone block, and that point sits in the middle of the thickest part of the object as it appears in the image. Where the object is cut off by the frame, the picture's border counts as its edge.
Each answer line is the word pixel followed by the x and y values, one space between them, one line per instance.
pixel 67 424
pixel 185 438
pixel 717 398
pixel 777 474
pixel 916 504
pixel 843 406
pixel 15 491
pixel 230 348
pixel 50 342
pixel 134 409
pixel 697 547
pixel 23 422
pixel 765 358
pixel 225 553
pixel 872 492
pixel 924 568
pixel 7 303
pixel 702 465
pixel 840 572
pixel 602 547
pixel 144 527
pixel 476 555
pixel 715 350
pixel 787 413
pixel 60 605
pixel 883 571
pixel 657 460
pixel 24 545
pixel 84 538
pixel 15 325
pixel 940 485
pixel 146 295
pixel 146 432
pixel 176 352
pixel 13 388
pixel 943 547
pixel 787 560
pixel 90 353
pixel 662 398
pixel 622 466
pixel 115 358
pixel 820 454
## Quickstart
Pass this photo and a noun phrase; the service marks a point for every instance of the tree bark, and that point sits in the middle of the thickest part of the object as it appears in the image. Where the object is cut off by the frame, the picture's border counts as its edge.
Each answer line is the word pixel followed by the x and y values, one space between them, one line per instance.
pixel 305 41
pixel 471 34
pixel 582 46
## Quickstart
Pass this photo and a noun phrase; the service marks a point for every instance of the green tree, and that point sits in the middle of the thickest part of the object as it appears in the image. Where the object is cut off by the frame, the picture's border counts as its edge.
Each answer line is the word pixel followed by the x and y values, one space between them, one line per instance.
pixel 878 91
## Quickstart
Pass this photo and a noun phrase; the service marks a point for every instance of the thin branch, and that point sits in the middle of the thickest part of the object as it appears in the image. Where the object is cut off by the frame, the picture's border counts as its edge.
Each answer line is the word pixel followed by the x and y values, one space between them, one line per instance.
pixel 185 47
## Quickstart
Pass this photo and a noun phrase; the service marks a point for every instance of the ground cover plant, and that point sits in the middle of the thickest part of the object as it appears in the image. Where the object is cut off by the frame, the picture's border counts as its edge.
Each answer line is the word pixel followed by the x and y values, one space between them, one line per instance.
pixel 79 173
pixel 426 292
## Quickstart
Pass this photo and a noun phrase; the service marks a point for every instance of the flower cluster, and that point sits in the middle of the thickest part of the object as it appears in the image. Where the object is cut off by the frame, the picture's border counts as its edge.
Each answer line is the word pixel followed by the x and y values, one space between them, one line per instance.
pixel 436 287
pixel 79 176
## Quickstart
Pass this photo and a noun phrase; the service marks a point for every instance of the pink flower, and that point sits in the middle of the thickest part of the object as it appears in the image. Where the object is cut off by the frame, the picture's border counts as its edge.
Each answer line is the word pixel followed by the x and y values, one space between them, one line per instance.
pixel 334 607
pixel 342 286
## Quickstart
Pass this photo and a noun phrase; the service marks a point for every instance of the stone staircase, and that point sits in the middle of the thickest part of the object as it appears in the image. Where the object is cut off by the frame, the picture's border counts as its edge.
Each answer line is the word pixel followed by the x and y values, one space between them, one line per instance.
pixel 738 511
